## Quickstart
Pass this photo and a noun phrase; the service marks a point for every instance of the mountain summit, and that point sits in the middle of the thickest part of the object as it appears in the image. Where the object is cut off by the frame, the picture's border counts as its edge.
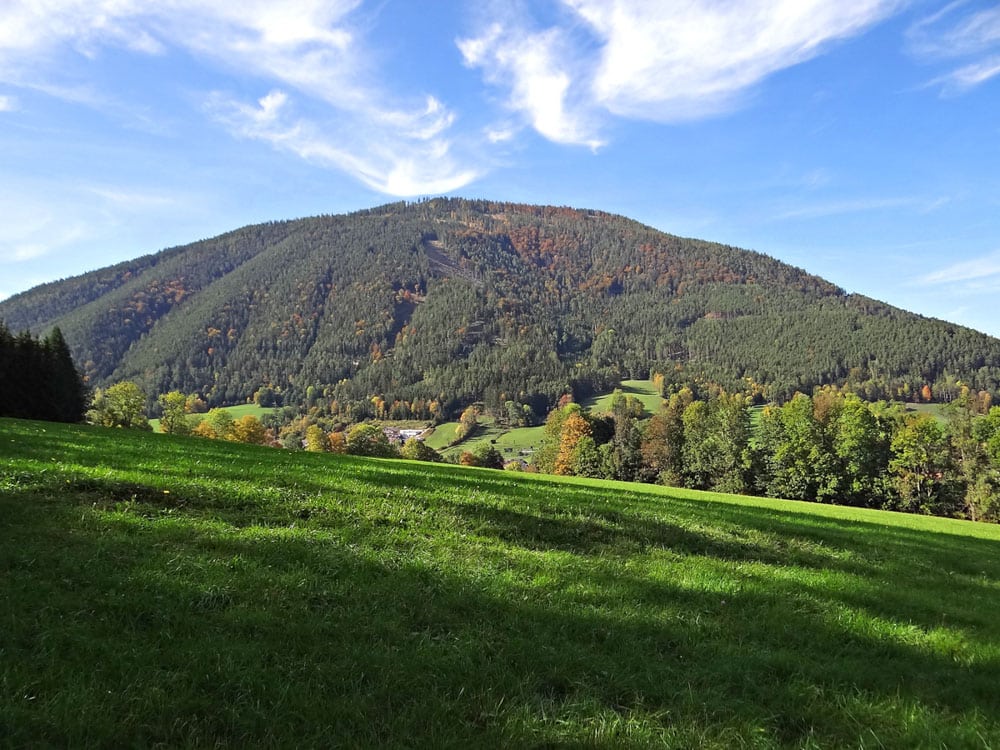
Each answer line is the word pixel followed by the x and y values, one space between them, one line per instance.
pixel 459 301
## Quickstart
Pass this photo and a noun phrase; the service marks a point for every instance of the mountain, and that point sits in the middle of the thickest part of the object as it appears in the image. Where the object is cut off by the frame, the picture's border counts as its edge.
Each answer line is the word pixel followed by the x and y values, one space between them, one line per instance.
pixel 456 301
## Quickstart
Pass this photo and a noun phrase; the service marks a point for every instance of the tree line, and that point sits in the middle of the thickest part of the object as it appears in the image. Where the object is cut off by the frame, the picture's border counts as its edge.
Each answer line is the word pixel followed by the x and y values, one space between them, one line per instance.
pixel 830 447
pixel 435 305
pixel 38 379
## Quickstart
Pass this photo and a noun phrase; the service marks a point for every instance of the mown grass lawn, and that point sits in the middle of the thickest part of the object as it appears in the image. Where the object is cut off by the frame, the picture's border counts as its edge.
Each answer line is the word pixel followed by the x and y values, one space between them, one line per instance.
pixel 163 591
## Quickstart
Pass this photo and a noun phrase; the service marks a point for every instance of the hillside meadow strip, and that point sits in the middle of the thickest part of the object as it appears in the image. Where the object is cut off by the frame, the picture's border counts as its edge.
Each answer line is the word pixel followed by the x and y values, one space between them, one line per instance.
pixel 166 591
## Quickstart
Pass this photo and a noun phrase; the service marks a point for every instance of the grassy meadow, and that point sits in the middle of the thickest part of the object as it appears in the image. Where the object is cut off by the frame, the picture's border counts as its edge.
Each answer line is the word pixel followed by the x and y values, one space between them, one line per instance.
pixel 522 441
pixel 165 591
pixel 237 411
pixel 644 390
pixel 509 441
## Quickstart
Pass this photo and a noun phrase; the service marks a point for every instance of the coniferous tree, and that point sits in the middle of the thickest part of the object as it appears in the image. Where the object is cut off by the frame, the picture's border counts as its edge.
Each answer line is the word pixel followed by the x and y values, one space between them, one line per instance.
pixel 67 393
pixel 38 379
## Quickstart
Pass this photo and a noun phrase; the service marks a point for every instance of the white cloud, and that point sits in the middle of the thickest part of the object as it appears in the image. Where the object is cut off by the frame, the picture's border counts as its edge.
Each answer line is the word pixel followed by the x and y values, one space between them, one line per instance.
pixel 961 31
pixel 405 165
pixel 538 69
pixel 42 218
pixel 309 49
pixel 8 103
pixel 676 60
pixel 28 251
pixel 21 246
pixel 968 76
pixel 956 30
pixel 979 273
pixel 666 61
pixel 500 134
pixel 122 198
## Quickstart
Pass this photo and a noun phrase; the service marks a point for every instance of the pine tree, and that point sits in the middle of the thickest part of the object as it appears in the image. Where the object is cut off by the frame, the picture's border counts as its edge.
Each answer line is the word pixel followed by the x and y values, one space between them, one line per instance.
pixel 66 390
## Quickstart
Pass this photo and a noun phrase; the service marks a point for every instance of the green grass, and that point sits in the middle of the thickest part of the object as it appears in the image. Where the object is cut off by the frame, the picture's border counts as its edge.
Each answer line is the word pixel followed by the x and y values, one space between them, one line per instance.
pixel 443 436
pixel 938 411
pixel 527 439
pixel 237 411
pixel 163 591
pixel 644 390
pixel 511 442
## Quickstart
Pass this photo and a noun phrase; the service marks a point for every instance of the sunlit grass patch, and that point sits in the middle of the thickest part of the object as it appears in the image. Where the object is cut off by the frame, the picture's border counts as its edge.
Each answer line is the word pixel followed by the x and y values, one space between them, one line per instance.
pixel 157 590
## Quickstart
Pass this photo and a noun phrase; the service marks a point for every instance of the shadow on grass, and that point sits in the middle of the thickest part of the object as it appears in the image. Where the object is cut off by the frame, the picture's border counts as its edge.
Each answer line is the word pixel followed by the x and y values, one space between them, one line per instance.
pixel 122 630
pixel 601 532
pixel 145 633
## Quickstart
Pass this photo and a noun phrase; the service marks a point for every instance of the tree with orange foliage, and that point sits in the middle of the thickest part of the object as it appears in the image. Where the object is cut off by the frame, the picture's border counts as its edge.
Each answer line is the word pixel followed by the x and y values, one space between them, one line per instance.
pixel 467 423
pixel 248 429
pixel 204 430
pixel 574 427
pixel 337 442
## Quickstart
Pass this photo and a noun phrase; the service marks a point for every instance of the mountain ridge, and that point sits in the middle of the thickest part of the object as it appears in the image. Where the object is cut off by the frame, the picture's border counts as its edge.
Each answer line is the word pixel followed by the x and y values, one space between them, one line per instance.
pixel 456 300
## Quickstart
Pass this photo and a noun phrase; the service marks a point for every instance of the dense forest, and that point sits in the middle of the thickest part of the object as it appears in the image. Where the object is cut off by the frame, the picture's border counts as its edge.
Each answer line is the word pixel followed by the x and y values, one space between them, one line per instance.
pixel 830 447
pixel 422 308
pixel 38 379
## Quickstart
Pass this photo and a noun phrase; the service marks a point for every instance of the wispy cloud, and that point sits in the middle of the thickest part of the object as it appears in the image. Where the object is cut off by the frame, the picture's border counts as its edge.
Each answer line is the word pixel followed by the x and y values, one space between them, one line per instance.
pixel 967 77
pixel 860 205
pixel 308 51
pixel 566 78
pixel 976 274
pixel 8 103
pixel 966 34
pixel 414 161
pixel 678 60
pixel 31 227
pixel 663 61
pixel 22 246
pixel 539 68
pixel 132 199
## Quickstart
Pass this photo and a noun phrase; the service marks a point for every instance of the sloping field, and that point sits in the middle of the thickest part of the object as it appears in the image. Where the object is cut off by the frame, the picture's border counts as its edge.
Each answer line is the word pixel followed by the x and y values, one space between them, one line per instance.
pixel 519 442
pixel 166 591
pixel 644 390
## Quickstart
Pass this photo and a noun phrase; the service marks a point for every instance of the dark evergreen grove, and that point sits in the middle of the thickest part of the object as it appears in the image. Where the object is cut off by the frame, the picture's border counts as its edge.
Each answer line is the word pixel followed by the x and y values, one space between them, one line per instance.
pixel 431 306
pixel 38 379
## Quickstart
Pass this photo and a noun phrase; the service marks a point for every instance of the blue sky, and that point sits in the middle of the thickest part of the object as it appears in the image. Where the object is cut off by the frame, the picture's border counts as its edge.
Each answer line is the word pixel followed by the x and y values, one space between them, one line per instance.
pixel 858 140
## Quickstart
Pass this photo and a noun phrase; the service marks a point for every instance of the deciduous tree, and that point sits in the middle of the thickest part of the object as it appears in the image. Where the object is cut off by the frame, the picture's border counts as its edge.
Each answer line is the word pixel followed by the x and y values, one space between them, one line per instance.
pixel 121 405
pixel 249 429
pixel 174 413
pixel 316 440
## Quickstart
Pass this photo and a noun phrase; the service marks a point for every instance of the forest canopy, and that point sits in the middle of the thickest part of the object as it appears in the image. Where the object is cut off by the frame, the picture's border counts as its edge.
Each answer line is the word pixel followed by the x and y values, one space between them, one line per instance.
pixel 435 305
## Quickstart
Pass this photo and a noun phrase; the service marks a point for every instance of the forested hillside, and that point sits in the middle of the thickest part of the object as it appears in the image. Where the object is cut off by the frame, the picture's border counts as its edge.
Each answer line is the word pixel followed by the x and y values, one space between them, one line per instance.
pixel 436 304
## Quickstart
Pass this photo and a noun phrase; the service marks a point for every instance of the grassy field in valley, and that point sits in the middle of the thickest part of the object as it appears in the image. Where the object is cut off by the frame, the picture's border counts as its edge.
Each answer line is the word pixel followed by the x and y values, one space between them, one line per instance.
pixel 237 411
pixel 644 390
pixel 523 441
pixel 165 591
pixel 512 443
